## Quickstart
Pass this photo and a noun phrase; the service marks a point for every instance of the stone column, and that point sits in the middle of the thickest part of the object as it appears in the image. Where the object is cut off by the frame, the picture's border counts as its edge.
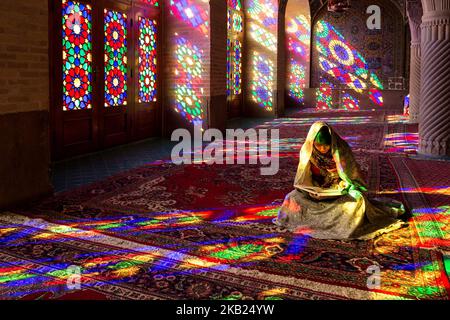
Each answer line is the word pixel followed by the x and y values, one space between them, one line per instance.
pixel 434 115
pixel 414 10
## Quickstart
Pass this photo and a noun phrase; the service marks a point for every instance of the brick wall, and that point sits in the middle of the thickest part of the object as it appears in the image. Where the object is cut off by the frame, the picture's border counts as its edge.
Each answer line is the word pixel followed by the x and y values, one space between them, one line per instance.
pixel 24 101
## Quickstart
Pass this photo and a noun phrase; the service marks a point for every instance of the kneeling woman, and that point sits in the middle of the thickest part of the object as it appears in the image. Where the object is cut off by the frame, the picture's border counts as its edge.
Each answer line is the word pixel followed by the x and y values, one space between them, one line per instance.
pixel 328 201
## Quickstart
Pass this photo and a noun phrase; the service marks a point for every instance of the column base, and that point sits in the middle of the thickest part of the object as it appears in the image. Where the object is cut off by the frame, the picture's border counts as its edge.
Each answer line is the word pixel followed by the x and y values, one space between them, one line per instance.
pixel 434 148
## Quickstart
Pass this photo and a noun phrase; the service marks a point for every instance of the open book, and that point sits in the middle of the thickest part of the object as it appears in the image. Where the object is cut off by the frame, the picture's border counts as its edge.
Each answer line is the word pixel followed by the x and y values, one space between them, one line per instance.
pixel 319 192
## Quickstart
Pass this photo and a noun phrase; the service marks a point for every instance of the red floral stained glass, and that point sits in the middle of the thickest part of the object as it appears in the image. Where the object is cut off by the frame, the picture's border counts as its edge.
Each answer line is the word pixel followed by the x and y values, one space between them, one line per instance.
pixel 77 55
pixel 116 89
pixel 147 60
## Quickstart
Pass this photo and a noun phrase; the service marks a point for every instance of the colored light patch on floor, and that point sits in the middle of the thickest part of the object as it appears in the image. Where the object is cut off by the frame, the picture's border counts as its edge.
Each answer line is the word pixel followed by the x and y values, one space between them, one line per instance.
pixel 402 143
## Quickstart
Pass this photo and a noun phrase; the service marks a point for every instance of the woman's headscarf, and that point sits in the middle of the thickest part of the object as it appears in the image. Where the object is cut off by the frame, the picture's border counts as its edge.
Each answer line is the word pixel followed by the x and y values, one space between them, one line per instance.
pixel 348 168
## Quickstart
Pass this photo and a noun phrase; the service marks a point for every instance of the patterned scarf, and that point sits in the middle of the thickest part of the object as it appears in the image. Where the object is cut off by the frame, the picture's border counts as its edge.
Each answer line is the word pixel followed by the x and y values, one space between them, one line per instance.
pixel 325 163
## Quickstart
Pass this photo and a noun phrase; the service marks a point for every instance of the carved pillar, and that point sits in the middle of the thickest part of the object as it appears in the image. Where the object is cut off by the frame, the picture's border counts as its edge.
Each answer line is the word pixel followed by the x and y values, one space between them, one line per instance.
pixel 434 125
pixel 414 10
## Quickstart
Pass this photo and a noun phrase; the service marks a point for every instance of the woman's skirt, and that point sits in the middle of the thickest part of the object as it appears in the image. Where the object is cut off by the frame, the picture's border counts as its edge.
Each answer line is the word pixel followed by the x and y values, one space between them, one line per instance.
pixel 345 217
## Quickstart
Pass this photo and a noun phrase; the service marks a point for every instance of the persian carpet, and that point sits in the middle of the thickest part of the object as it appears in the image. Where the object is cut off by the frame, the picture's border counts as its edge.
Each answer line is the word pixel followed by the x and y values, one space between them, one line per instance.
pixel 425 188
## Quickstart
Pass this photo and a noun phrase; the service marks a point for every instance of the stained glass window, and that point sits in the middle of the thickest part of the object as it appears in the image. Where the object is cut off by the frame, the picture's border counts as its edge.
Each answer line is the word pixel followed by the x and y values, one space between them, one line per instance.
pixel 191 13
pixel 234 47
pixel 77 55
pixel 154 3
pixel 115 58
pixel 147 60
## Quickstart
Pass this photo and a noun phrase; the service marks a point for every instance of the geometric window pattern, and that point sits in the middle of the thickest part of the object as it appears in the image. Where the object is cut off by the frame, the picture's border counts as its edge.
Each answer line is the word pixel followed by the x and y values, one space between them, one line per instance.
pixel 234 47
pixel 147 60
pixel 115 58
pixel 264 12
pixel 77 55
